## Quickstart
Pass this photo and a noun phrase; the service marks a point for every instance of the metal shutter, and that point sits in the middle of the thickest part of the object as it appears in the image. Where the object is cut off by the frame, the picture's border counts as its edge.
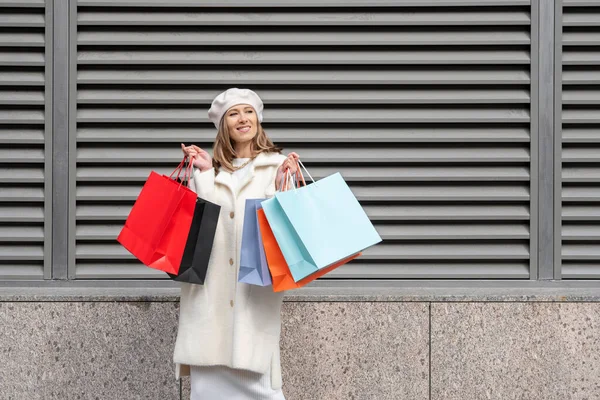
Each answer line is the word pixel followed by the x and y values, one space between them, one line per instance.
pixel 424 106
pixel 580 191
pixel 25 135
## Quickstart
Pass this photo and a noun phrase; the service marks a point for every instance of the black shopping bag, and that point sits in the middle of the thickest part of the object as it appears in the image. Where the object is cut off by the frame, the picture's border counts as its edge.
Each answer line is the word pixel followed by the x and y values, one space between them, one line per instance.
pixel 198 247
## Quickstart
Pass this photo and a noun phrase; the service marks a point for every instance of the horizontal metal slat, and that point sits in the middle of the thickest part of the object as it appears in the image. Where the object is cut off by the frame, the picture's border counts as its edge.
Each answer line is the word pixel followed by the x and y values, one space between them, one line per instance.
pixel 447 212
pixel 104 232
pixel 18 194
pixel 22 58
pixel 580 57
pixel 351 134
pixel 580 77
pixel 427 17
pixel 21 233
pixel 286 57
pixel 446 251
pixel 299 96
pixel 350 174
pixel 309 4
pixel 581 154
pixel 575 270
pixel 574 134
pixel 573 174
pixel 578 251
pixel 580 212
pixel 425 270
pixel 21 39
pixel 30 155
pixel 395 212
pixel 580 116
pixel 586 97
pixel 116 270
pixel 21 19
pixel 22 78
pixel 476 192
pixel 22 136
pixel 20 175
pixel 21 116
pixel 408 153
pixel 24 271
pixel 316 115
pixel 578 3
pixel 21 97
pixel 22 3
pixel 580 232
pixel 585 19
pixel 570 193
pixel 20 252
pixel 294 76
pixel 589 38
pixel 21 214
pixel 454 231
pixel 146 37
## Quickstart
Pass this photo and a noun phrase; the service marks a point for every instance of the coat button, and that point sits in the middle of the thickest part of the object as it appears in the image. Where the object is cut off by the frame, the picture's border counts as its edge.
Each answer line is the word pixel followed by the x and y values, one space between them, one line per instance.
pixel 231 261
pixel 231 303
pixel 231 215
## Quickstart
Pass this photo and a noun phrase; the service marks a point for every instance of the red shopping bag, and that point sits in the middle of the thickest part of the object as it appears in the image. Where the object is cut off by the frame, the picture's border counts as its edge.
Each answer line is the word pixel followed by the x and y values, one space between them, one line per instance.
pixel 158 225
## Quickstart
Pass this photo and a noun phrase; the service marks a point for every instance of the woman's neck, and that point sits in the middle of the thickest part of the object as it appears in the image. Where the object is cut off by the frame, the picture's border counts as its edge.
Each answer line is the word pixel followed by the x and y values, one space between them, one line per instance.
pixel 243 150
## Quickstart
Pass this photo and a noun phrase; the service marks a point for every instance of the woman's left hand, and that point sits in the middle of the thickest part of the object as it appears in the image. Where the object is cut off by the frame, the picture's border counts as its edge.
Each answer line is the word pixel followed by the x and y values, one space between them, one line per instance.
pixel 290 163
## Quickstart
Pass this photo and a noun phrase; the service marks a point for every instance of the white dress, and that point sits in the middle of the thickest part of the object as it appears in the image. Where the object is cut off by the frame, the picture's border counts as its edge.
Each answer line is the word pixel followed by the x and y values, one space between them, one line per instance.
pixel 224 383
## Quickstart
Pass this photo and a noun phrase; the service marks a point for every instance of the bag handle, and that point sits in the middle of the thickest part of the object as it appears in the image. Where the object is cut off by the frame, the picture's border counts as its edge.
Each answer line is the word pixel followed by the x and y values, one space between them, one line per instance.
pixel 178 169
pixel 285 179
pixel 297 178
pixel 299 172
pixel 187 172
pixel 308 173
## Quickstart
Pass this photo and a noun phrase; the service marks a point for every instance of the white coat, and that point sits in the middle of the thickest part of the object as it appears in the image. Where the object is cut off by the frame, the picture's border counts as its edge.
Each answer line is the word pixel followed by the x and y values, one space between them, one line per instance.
pixel 224 322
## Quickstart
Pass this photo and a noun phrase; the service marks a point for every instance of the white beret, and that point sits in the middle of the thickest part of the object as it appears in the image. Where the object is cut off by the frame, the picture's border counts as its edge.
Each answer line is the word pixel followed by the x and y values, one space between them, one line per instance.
pixel 230 98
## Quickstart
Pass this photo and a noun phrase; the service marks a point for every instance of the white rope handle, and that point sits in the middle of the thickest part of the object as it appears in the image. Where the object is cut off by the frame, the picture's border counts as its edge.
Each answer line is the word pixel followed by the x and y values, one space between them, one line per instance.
pixel 308 173
pixel 287 179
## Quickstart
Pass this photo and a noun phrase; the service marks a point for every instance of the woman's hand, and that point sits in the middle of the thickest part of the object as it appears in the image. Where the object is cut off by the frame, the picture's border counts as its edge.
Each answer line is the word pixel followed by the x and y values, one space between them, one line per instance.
pixel 290 163
pixel 200 158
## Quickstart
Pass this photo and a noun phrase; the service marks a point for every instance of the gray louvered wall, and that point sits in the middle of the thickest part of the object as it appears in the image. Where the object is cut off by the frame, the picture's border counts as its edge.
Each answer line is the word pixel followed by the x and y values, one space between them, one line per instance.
pixel 25 133
pixel 425 111
pixel 580 194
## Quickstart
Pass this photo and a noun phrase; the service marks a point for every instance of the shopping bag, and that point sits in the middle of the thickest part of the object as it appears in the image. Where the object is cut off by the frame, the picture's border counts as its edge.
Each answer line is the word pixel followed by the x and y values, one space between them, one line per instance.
pixel 198 247
pixel 253 262
pixel 319 224
pixel 158 224
pixel 280 272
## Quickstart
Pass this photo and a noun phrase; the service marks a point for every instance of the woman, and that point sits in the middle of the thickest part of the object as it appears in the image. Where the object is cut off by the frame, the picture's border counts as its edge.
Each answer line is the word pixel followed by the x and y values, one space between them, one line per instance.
pixel 228 336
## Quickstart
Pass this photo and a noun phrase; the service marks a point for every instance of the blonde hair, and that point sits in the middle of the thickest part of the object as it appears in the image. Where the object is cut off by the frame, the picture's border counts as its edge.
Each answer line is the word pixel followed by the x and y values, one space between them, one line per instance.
pixel 224 151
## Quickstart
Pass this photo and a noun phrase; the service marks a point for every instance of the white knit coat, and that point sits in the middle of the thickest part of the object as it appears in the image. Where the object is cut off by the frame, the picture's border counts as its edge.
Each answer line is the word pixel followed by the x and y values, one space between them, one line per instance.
pixel 224 322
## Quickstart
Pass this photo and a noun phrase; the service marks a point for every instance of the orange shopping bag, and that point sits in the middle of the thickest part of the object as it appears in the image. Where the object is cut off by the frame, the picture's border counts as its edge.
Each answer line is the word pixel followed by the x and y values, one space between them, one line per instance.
pixel 280 272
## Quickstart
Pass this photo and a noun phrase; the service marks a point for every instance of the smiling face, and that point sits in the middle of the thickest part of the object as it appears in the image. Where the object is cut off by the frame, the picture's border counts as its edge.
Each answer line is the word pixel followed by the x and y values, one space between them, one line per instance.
pixel 242 122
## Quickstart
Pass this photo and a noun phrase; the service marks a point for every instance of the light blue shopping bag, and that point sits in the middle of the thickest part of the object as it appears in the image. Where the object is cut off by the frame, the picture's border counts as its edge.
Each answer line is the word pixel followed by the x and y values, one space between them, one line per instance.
pixel 318 225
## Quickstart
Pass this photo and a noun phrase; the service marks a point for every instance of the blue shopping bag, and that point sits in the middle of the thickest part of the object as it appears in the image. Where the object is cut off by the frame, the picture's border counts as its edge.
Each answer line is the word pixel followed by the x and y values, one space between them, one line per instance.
pixel 318 225
pixel 253 262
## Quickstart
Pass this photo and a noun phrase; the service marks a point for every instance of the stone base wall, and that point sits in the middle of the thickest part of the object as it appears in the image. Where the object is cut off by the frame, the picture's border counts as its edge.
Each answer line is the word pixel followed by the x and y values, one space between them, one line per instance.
pixel 330 350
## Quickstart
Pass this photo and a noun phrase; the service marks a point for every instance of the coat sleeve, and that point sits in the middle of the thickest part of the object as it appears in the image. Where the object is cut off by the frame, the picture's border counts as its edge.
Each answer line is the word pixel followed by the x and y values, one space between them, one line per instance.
pixel 203 183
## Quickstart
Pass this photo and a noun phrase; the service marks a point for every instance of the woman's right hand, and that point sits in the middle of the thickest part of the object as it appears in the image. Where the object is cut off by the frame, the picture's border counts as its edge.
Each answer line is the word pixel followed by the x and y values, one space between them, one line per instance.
pixel 200 158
